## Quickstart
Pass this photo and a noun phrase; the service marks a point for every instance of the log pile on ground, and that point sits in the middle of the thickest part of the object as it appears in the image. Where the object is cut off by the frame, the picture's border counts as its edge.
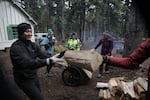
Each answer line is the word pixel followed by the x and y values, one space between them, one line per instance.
pixel 120 88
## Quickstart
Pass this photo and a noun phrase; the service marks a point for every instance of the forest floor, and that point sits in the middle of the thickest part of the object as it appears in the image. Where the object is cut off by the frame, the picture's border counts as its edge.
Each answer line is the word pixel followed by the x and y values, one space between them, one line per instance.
pixel 53 87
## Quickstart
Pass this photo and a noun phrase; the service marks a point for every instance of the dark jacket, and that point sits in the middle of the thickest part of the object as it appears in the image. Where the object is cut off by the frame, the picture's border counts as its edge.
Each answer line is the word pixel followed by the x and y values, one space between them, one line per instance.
pixel 26 58
pixel 134 59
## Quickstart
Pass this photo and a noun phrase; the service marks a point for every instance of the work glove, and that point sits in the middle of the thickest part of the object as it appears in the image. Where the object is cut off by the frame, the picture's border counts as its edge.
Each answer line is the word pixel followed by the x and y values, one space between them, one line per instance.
pixel 92 50
pixel 52 60
pixel 109 54
pixel 55 61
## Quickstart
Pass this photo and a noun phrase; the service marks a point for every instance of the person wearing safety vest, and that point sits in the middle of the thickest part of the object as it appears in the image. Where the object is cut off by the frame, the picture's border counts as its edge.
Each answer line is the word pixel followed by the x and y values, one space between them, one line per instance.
pixel 73 43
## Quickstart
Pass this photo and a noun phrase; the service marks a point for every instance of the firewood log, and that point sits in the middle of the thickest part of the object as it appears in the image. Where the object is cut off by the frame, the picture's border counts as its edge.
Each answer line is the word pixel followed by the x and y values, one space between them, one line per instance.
pixel 101 85
pixel 84 59
pixel 138 88
pixel 101 94
pixel 128 88
pixel 142 82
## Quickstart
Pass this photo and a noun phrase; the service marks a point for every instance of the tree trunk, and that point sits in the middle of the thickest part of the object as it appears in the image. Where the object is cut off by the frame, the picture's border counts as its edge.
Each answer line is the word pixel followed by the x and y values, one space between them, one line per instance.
pixel 133 31
pixel 62 20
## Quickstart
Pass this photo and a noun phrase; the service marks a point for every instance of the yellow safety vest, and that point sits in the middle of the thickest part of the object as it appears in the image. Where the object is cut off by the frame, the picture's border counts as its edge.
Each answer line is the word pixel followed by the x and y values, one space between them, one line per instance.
pixel 73 44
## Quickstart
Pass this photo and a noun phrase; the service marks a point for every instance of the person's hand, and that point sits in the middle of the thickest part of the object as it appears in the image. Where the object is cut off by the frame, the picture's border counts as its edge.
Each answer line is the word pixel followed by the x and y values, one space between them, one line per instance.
pixel 92 50
pixel 55 59
pixel 109 54
pixel 105 59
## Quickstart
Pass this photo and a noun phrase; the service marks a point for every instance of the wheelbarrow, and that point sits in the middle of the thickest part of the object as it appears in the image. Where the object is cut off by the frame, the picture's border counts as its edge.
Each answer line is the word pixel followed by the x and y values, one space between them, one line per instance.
pixel 78 66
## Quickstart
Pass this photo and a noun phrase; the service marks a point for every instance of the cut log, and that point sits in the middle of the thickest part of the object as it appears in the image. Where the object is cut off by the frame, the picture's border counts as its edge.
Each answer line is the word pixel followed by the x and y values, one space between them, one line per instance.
pixel 108 94
pixel 88 73
pixel 84 59
pixel 120 78
pixel 143 83
pixel 101 85
pixel 138 88
pixel 128 88
pixel 114 86
pixel 120 88
pixel 122 97
pixel 101 93
pixel 105 94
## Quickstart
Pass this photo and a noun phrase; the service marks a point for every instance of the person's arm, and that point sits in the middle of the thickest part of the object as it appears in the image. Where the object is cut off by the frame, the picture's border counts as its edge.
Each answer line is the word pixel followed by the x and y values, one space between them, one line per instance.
pixel 44 42
pixel 134 59
pixel 99 43
pixel 111 46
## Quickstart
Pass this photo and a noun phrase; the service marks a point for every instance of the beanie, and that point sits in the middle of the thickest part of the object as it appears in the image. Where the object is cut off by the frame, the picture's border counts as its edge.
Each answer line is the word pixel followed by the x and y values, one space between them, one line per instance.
pixel 21 28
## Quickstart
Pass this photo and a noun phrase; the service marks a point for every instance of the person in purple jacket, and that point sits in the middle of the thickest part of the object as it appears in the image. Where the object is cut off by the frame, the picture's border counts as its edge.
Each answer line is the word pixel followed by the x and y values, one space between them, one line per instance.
pixel 106 49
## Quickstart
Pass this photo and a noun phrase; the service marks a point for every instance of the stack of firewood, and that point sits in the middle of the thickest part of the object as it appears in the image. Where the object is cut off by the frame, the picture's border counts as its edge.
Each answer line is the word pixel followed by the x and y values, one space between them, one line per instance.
pixel 120 88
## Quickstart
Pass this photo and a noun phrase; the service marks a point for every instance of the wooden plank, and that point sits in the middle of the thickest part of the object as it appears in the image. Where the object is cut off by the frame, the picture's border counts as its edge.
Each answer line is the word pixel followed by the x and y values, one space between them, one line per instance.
pixel 101 93
pixel 102 85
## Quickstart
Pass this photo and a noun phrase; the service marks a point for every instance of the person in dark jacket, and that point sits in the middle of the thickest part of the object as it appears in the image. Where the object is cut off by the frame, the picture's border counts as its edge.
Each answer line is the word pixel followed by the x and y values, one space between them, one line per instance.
pixel 26 58
pixel 106 49
pixel 137 57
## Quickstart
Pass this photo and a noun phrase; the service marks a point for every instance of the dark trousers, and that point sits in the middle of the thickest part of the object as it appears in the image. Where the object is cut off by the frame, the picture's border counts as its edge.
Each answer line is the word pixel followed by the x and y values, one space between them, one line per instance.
pixel 49 67
pixel 101 67
pixel 31 87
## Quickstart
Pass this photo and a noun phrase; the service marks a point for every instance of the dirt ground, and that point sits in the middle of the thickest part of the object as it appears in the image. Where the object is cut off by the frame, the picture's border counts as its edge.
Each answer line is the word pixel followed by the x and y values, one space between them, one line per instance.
pixel 53 88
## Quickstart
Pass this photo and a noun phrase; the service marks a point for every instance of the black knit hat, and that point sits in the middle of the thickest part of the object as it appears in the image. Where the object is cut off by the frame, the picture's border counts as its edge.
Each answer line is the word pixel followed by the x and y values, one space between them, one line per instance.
pixel 21 28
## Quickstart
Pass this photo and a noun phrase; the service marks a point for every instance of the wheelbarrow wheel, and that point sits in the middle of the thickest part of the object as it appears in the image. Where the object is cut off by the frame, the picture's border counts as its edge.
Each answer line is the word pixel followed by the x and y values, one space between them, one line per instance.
pixel 74 76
